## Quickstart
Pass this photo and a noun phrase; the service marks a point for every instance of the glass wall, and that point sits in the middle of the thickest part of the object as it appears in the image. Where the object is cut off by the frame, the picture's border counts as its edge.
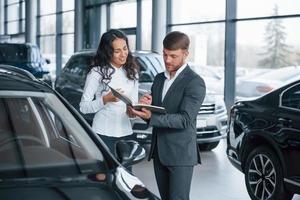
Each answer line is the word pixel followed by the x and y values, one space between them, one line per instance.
pixel 189 11
pixel 67 30
pixel 15 20
pixel 257 8
pixel 47 29
pixel 267 46
pixel 204 23
pixel 146 24
pixel 50 18
pixel 1 17
pixel 124 17
pixel 123 14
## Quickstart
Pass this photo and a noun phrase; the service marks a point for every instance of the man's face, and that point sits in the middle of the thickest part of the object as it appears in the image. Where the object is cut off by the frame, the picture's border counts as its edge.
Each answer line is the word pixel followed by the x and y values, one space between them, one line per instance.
pixel 174 59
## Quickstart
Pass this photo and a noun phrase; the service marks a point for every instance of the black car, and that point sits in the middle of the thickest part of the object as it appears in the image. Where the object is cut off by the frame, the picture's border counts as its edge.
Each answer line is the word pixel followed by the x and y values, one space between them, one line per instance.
pixel 264 143
pixel 25 56
pixel 48 151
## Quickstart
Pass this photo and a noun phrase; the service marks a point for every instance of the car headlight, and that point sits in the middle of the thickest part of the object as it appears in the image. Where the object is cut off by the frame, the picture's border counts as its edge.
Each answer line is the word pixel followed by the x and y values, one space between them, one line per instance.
pixel 220 105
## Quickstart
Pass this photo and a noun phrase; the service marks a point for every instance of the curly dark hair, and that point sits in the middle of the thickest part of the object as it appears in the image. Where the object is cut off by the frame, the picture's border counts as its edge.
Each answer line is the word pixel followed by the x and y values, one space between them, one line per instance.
pixel 104 56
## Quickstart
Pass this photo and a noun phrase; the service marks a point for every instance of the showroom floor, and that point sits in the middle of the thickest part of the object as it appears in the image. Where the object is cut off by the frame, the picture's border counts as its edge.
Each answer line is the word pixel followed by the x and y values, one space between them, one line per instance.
pixel 216 178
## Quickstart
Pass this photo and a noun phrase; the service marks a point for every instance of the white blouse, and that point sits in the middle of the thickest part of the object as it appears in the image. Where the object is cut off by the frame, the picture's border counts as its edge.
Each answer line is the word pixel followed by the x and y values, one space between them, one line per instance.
pixel 110 119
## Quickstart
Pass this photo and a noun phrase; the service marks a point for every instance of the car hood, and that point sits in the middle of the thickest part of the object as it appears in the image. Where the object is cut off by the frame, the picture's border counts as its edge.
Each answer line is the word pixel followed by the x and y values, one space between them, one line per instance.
pixel 118 184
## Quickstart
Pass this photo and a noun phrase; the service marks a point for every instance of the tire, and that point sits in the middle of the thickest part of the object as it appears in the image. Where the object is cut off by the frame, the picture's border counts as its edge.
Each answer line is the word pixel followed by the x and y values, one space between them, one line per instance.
pixel 208 146
pixel 264 176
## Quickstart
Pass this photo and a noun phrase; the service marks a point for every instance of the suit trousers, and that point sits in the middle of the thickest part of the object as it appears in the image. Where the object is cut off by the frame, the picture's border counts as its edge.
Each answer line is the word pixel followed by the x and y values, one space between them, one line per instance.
pixel 174 182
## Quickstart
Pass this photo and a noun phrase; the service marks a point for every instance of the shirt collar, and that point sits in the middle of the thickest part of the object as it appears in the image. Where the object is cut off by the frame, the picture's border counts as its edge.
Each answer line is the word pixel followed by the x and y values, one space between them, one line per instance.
pixel 116 68
pixel 167 74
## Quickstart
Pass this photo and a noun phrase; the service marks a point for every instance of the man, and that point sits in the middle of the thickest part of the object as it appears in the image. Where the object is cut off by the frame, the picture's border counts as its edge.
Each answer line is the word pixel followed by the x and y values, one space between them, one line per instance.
pixel 174 148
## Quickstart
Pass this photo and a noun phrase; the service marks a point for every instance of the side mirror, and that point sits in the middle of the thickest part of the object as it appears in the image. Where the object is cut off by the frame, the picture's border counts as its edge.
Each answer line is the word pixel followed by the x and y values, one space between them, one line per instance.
pixel 129 152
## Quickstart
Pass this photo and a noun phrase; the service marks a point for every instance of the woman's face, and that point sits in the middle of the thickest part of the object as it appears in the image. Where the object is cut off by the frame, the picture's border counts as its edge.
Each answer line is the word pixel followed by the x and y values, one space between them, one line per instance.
pixel 120 52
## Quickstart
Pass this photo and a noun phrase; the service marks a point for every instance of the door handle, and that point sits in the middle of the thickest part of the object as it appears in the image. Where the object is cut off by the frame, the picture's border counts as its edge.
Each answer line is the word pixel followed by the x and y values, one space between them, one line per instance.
pixel 284 120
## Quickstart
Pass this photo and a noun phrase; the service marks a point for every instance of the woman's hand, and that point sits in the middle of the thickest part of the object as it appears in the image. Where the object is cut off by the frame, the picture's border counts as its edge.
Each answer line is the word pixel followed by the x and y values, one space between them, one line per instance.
pixel 130 112
pixel 109 97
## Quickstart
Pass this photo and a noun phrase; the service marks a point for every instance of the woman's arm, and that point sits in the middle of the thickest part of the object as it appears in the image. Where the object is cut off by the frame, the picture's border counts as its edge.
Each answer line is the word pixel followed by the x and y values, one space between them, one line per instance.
pixel 88 104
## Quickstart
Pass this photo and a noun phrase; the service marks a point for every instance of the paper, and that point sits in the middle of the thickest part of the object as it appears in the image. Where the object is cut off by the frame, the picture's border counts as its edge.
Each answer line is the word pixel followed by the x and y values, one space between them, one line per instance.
pixel 129 102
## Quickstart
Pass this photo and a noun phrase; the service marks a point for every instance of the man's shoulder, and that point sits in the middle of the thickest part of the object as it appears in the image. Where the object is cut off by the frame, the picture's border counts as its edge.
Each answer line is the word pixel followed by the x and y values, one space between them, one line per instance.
pixel 160 75
pixel 194 77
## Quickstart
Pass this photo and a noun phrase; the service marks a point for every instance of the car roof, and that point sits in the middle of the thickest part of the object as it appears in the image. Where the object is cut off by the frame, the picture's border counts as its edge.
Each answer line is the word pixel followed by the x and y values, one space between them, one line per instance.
pixel 16 79
pixel 18 44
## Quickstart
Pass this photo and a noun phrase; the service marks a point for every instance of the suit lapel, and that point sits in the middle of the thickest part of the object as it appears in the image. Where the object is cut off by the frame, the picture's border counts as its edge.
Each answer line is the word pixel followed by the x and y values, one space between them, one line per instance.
pixel 159 89
pixel 177 81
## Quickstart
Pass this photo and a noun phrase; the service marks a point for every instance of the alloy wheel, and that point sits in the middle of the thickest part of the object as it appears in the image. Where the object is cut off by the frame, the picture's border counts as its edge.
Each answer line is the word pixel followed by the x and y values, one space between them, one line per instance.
pixel 262 176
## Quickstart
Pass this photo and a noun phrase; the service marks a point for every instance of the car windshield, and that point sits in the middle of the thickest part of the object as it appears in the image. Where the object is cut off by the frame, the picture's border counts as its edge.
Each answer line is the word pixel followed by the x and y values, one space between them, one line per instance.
pixel 282 74
pixel 40 137
pixel 19 53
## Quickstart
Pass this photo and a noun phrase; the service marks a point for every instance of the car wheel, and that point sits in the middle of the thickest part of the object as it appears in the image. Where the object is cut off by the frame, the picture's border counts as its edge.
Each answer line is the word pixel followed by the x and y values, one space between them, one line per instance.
pixel 264 176
pixel 208 146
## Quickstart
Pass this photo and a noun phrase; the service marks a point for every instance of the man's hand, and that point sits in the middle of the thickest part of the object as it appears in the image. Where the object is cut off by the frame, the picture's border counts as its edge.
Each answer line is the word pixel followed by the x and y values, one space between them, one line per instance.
pixel 144 113
pixel 146 99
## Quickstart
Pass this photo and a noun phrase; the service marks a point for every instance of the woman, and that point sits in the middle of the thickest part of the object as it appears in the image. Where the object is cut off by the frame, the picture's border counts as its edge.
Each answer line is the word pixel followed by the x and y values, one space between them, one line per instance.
pixel 113 66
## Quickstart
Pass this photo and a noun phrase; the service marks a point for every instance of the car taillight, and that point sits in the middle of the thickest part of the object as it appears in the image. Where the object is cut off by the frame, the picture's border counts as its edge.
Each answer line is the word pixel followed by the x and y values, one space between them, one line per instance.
pixel 264 89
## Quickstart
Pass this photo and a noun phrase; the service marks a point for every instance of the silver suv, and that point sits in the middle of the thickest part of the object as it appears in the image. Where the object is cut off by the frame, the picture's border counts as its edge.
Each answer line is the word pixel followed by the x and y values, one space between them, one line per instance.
pixel 211 120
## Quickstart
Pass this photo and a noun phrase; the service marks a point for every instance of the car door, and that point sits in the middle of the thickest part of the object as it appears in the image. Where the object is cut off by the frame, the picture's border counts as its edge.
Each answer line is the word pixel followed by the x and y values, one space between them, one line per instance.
pixel 288 118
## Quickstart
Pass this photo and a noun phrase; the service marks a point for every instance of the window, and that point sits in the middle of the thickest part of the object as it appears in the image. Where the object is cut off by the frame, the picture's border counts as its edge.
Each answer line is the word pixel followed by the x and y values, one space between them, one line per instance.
pixel 207 43
pixel 47 8
pixel 47 46
pixel 124 14
pixel 15 12
pixel 68 22
pixel 266 50
pixel 197 11
pixel 67 47
pixel 48 25
pixel 146 24
pixel 291 97
pixel 257 8
pixel 40 135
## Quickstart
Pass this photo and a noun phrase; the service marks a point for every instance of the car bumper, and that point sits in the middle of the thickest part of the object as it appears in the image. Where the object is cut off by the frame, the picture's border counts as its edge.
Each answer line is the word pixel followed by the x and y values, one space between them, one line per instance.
pixel 210 128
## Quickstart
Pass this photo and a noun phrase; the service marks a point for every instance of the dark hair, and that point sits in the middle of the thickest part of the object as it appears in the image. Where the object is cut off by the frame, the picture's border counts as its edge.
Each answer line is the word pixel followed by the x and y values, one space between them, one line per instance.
pixel 104 55
pixel 176 40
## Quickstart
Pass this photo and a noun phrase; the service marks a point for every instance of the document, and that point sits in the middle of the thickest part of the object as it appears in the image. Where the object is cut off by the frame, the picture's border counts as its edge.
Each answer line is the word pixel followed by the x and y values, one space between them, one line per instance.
pixel 128 101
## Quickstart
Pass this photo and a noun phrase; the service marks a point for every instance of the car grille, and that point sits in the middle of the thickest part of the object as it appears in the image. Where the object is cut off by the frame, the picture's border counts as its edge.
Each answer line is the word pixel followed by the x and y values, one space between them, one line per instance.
pixel 208 132
pixel 140 126
pixel 207 109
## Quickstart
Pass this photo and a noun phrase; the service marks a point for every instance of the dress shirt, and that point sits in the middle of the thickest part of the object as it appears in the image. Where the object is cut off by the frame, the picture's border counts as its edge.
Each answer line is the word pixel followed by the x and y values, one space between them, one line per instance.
pixel 169 81
pixel 110 119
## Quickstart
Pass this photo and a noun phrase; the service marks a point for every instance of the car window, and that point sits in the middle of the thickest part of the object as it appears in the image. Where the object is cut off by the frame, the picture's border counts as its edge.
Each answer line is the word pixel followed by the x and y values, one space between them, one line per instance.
pixel 13 53
pixel 145 74
pixel 291 97
pixel 78 65
pixel 149 67
pixel 38 135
